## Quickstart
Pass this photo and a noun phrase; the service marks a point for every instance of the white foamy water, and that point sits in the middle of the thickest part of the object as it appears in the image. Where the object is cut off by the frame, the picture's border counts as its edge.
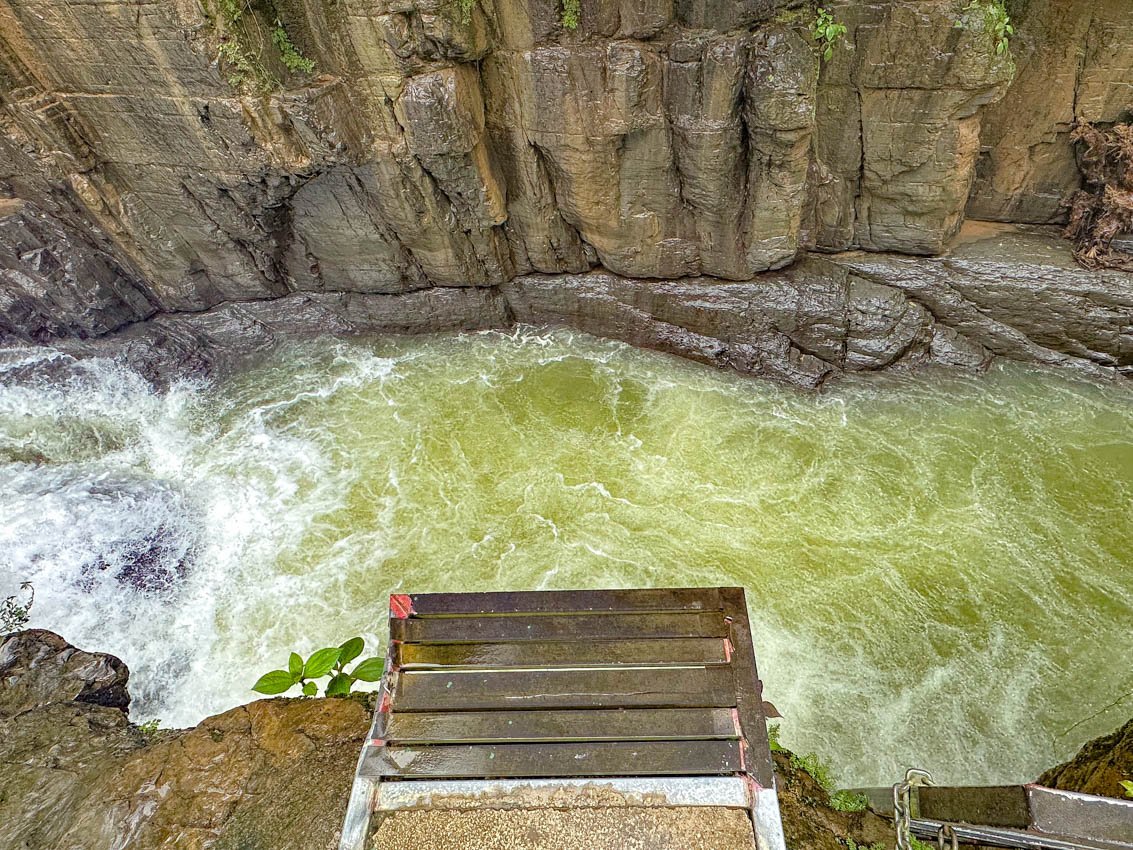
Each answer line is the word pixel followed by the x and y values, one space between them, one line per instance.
pixel 938 567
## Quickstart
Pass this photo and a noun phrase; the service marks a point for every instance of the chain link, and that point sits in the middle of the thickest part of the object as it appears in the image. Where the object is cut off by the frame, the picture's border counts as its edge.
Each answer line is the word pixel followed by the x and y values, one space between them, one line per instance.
pixel 902 807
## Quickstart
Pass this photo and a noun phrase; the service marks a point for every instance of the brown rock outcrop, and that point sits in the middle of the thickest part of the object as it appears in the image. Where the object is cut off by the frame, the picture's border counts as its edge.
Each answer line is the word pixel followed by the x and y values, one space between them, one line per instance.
pixel 453 143
pixel 998 291
pixel 1099 766
pixel 898 126
pixel 274 773
pixel 1075 64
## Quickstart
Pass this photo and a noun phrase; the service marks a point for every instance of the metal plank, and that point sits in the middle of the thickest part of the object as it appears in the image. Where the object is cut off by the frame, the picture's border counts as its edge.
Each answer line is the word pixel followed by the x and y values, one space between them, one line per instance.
pixel 614 758
pixel 748 689
pixel 999 805
pixel 562 653
pixel 595 687
pixel 650 724
pixel 551 627
pixel 564 601
pixel 1066 812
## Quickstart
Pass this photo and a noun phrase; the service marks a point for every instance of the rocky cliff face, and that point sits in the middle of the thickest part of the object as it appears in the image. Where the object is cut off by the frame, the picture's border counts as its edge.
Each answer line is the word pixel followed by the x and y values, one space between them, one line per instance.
pixel 445 164
pixel 460 144
pixel 272 774
pixel 1075 64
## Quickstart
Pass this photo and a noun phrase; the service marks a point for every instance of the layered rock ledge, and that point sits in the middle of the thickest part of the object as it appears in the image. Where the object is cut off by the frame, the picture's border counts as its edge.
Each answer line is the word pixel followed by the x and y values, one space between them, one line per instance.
pixel 998 291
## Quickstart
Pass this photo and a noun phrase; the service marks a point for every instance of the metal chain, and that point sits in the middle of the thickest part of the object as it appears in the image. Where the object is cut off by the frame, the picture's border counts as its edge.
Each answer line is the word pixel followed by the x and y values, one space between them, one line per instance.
pixel 947 834
pixel 902 806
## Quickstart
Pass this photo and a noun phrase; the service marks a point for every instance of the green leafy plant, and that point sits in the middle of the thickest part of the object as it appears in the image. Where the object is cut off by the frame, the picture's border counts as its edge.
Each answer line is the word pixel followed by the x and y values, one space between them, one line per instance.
pixel 330 662
pixel 773 738
pixel 149 729
pixel 293 60
pixel 853 845
pixel 848 801
pixel 1127 786
pixel 826 32
pixel 232 10
pixel 817 768
pixel 247 68
pixel 572 13
pixel 820 771
pixel 466 7
pixel 15 610
pixel 993 18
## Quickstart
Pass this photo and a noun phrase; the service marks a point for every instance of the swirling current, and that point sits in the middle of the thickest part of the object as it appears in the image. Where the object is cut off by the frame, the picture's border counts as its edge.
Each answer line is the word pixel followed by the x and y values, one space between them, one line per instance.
pixel 939 567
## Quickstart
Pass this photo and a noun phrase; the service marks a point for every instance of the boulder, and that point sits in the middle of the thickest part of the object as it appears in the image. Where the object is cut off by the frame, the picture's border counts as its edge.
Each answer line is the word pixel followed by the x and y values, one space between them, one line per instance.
pixel 1099 766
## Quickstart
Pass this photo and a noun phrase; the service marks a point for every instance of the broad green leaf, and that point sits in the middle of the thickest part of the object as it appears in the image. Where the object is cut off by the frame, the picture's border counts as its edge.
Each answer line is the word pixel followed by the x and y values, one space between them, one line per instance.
pixel 321 662
pixel 1128 786
pixel 339 686
pixel 350 650
pixel 369 670
pixel 827 53
pixel 275 682
pixel 310 689
pixel 295 665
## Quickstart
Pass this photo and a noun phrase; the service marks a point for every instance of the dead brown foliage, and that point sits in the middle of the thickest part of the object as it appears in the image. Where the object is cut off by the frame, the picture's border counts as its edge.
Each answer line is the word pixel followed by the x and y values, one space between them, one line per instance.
pixel 1104 209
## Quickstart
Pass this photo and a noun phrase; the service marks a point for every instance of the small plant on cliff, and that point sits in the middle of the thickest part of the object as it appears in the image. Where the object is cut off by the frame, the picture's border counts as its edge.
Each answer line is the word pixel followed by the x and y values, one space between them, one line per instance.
pixel 330 662
pixel 572 13
pixel 246 63
pixel 848 801
pixel 466 7
pixel 1127 786
pixel 15 610
pixel 773 738
pixel 293 60
pixel 842 801
pixel 149 729
pixel 853 845
pixel 826 32
pixel 992 16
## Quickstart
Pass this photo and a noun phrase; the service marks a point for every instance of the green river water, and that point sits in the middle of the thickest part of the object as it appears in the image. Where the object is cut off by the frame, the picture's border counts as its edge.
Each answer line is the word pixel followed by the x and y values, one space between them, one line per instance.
pixel 939 567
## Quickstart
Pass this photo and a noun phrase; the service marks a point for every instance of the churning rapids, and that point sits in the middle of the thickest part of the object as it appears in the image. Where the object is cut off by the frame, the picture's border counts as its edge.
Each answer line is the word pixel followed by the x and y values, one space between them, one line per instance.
pixel 940 568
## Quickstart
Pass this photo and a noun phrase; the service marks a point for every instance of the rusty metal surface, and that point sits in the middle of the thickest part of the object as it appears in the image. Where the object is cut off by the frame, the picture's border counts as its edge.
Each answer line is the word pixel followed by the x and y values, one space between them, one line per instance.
pixel 651 691
pixel 542 661
pixel 620 724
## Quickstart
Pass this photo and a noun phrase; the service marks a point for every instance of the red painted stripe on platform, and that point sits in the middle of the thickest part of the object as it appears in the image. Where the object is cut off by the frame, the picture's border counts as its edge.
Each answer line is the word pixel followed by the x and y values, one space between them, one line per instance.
pixel 400 606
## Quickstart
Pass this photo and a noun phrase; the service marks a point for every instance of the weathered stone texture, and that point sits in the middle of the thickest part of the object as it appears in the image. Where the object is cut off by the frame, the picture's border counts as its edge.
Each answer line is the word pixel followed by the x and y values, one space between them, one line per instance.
pixel 1098 768
pixel 1075 63
pixel 442 146
pixel 898 126
pixel 999 291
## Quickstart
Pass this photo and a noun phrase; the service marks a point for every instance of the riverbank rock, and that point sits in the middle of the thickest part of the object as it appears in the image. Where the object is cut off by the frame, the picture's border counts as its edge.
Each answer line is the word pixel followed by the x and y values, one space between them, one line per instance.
pixel 272 774
pixel 1098 767
pixel 998 291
